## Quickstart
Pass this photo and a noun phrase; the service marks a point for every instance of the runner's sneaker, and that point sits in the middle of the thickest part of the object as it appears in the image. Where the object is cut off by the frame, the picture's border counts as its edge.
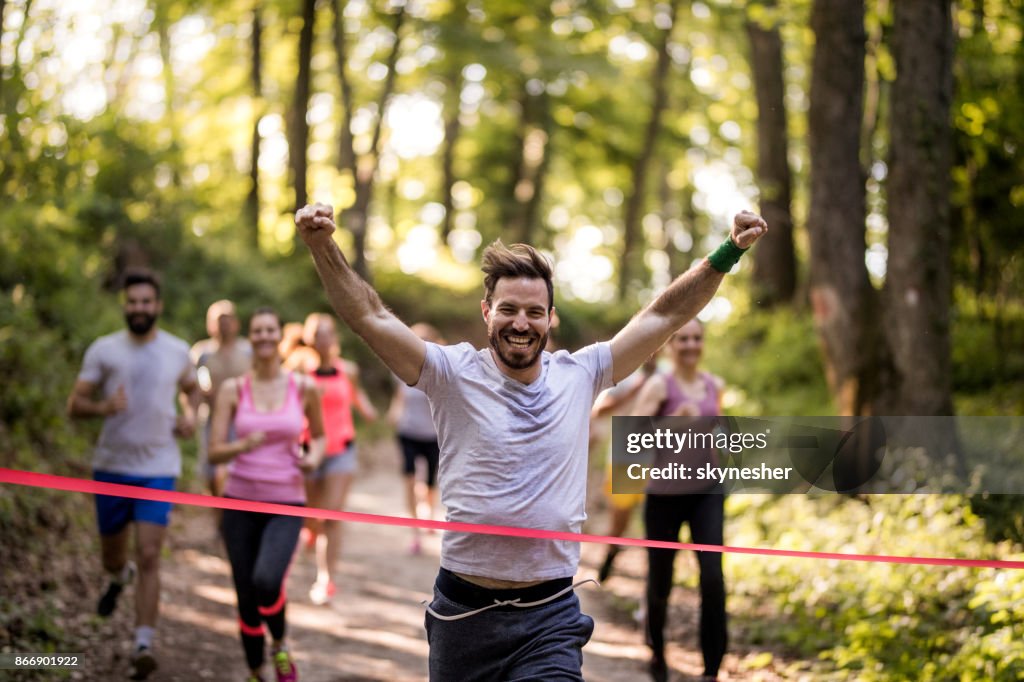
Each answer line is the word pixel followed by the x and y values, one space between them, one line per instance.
pixel 284 668
pixel 321 593
pixel 143 663
pixel 254 678
pixel 108 602
pixel 658 667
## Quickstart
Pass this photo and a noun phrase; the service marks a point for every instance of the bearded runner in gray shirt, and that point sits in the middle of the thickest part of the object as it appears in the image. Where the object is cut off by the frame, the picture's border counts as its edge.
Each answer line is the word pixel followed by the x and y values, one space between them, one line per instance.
pixel 130 379
pixel 512 423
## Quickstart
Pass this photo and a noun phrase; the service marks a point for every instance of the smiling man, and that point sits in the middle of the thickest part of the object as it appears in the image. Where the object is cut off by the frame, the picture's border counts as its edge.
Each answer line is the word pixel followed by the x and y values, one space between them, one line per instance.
pixel 130 378
pixel 512 423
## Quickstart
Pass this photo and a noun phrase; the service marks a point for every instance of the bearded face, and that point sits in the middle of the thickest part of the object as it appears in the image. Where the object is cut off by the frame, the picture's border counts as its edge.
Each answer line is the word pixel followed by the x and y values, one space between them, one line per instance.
pixel 518 320
pixel 140 323
pixel 518 350
pixel 141 308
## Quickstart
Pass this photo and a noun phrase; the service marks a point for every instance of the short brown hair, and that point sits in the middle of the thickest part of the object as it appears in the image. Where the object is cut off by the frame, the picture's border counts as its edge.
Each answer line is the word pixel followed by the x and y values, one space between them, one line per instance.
pixel 140 275
pixel 518 260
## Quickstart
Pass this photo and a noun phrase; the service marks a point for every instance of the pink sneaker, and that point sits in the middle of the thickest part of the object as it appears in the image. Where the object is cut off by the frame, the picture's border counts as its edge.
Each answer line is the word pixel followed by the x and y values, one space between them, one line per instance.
pixel 284 668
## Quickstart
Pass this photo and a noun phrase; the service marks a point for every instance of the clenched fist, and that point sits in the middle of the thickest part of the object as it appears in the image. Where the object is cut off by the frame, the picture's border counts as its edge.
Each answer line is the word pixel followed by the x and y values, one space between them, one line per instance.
pixel 747 228
pixel 315 223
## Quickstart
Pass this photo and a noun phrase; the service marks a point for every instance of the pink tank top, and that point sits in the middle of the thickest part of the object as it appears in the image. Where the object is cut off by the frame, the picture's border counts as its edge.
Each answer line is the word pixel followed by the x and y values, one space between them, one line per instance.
pixel 696 457
pixel 270 472
pixel 674 397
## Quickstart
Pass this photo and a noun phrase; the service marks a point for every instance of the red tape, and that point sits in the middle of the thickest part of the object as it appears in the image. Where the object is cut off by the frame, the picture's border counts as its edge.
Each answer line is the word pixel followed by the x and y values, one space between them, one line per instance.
pixel 78 485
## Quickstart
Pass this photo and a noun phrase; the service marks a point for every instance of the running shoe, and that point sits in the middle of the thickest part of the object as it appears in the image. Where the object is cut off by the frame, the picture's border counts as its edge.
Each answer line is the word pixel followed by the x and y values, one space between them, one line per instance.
pixel 658 668
pixel 416 548
pixel 108 602
pixel 321 593
pixel 254 678
pixel 284 668
pixel 143 663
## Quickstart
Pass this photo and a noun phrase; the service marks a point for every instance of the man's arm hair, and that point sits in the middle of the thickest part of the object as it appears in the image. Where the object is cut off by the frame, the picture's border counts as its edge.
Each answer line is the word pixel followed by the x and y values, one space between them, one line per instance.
pixel 651 327
pixel 356 302
pixel 682 300
pixel 81 402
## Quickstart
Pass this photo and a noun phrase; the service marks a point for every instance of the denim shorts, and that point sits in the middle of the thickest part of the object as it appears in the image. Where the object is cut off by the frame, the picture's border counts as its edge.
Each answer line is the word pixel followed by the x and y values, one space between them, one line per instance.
pixel 343 462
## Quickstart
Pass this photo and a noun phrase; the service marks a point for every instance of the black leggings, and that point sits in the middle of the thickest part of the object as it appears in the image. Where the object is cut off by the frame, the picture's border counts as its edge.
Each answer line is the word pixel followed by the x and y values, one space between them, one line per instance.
pixel 664 516
pixel 260 548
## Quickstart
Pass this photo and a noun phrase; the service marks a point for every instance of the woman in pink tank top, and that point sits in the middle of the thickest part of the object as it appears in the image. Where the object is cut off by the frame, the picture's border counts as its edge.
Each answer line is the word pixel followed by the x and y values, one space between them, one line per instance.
pixel 268 408
pixel 685 391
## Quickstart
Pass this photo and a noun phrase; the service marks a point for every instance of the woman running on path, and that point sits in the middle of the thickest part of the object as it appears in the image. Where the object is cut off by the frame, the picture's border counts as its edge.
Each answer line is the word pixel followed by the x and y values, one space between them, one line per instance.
pixel 685 392
pixel 267 407
pixel 410 415
pixel 327 486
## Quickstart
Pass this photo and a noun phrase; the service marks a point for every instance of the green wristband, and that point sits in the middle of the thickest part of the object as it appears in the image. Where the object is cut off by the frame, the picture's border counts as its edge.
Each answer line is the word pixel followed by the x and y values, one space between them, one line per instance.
pixel 725 256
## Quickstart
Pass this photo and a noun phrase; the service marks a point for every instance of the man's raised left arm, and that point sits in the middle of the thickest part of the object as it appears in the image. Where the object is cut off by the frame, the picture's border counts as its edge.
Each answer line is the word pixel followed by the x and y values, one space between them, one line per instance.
pixel 682 300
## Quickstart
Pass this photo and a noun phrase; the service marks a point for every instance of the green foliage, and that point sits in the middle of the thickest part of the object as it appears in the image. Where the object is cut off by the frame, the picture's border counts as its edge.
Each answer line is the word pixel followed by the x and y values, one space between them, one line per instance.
pixel 771 363
pixel 878 621
pixel 988 355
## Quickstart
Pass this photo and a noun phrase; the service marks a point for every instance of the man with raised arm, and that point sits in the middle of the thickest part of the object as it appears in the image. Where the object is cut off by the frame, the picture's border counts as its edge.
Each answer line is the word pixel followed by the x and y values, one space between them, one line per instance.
pixel 512 423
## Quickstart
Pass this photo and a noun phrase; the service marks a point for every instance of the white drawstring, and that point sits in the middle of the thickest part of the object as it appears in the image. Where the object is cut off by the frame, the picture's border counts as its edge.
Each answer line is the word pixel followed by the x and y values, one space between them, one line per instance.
pixel 508 602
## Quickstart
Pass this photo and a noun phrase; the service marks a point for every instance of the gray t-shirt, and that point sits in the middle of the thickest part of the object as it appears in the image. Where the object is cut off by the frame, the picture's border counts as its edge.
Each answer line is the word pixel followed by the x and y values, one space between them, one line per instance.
pixel 415 421
pixel 139 440
pixel 513 454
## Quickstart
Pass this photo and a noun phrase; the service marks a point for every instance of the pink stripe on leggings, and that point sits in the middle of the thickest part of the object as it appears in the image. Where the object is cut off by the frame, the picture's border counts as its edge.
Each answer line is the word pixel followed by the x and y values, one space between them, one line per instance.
pixel 251 630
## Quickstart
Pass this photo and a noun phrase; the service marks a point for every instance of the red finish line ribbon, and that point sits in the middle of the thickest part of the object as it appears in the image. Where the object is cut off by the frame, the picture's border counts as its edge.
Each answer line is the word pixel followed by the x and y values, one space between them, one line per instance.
pixel 79 485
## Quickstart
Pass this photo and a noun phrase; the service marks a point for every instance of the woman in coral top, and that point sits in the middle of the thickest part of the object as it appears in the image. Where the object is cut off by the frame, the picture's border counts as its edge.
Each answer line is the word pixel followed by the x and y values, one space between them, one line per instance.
pixel 338 382
pixel 268 407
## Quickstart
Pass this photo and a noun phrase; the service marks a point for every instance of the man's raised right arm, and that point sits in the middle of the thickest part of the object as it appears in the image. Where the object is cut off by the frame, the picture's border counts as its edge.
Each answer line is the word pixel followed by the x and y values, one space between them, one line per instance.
pixel 355 301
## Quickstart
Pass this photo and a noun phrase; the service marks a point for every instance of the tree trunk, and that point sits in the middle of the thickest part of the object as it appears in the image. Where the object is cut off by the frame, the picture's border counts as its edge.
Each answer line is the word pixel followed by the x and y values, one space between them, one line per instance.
pixel 774 258
pixel 527 187
pixel 299 138
pixel 843 300
pixel 162 22
pixel 252 202
pixel 346 148
pixel 366 168
pixel 452 39
pixel 918 279
pixel 635 202
pixel 3 3
pixel 679 260
pixel 452 129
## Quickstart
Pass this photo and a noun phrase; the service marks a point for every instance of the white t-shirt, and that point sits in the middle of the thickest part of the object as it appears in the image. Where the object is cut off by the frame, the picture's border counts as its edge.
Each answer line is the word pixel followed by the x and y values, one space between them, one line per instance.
pixel 415 421
pixel 513 454
pixel 139 440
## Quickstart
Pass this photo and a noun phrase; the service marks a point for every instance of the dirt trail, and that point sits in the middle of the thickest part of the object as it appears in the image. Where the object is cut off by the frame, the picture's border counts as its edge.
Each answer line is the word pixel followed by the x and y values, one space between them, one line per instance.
pixel 373 629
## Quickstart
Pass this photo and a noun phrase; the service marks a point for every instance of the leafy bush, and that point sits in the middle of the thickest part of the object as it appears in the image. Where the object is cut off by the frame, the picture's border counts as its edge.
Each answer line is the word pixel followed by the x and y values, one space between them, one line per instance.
pixel 879 621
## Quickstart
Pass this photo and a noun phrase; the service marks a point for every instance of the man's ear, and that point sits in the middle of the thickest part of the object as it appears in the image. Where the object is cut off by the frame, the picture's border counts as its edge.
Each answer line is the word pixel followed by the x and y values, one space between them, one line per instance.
pixel 485 310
